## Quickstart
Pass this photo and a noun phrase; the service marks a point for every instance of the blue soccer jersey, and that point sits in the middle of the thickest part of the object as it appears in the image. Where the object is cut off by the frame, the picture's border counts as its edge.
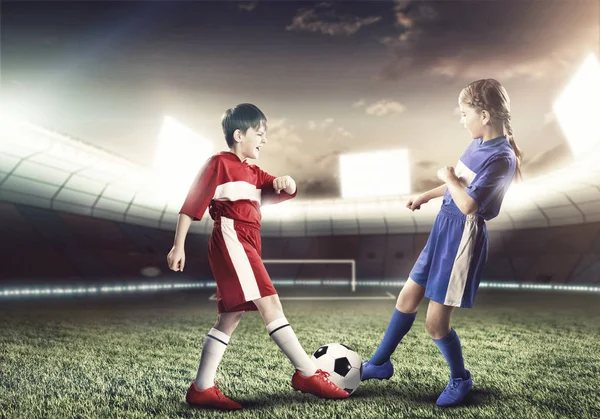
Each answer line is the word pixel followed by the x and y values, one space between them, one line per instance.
pixel 451 265
pixel 486 170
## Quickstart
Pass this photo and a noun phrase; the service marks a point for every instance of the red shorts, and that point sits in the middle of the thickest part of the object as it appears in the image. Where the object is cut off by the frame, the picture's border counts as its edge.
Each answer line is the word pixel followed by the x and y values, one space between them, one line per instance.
pixel 234 254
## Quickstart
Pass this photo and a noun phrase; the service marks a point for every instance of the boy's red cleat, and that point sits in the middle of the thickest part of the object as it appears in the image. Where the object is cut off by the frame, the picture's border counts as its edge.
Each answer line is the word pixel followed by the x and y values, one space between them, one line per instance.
pixel 211 397
pixel 318 384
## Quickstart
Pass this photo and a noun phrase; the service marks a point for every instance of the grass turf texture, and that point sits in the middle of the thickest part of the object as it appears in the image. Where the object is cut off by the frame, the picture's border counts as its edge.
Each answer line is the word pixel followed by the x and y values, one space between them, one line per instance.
pixel 531 355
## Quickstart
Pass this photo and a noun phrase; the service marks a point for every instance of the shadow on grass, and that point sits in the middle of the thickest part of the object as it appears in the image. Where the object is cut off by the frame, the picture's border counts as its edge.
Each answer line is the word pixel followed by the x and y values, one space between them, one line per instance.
pixel 260 401
pixel 419 395
pixel 424 394
pixel 281 398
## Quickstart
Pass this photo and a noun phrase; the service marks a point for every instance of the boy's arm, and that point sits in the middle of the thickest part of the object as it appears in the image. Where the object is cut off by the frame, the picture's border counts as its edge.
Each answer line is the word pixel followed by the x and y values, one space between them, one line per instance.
pixel 286 184
pixel 176 257
pixel 269 195
pixel 199 196
pixel 183 225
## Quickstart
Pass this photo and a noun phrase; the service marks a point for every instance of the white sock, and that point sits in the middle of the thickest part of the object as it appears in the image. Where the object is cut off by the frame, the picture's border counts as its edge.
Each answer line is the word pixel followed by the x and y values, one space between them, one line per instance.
pixel 212 352
pixel 283 335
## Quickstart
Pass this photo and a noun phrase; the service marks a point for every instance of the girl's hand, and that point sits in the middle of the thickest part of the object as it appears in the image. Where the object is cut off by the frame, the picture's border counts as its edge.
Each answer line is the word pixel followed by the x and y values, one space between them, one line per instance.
pixel 415 203
pixel 446 173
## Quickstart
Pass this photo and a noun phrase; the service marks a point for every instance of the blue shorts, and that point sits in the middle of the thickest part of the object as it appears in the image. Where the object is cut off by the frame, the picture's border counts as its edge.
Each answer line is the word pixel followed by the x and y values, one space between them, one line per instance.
pixel 451 264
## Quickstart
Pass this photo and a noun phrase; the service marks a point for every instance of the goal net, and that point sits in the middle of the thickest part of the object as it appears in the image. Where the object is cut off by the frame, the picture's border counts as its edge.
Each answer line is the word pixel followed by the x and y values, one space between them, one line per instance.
pixel 314 271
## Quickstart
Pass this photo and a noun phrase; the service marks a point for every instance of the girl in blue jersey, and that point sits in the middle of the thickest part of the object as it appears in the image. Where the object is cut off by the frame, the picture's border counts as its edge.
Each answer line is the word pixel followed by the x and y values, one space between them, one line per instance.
pixel 450 266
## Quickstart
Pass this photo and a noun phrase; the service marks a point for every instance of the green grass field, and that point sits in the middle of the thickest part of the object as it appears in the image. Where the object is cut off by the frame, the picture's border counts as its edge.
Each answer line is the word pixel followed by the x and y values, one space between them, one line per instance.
pixel 531 355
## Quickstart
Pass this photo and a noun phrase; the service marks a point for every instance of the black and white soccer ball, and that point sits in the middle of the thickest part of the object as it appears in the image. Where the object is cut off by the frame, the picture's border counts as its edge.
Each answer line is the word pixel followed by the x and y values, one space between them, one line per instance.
pixel 344 365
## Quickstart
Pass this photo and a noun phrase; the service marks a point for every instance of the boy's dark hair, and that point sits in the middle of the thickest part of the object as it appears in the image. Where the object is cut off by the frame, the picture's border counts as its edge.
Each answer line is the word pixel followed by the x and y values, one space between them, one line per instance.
pixel 242 117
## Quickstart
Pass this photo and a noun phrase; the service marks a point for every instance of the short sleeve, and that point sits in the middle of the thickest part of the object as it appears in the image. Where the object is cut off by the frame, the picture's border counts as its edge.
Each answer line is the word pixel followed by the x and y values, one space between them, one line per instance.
pixel 491 181
pixel 201 191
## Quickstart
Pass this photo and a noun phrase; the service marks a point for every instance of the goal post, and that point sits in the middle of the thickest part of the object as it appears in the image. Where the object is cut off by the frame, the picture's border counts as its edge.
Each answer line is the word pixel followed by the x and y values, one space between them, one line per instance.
pixel 350 262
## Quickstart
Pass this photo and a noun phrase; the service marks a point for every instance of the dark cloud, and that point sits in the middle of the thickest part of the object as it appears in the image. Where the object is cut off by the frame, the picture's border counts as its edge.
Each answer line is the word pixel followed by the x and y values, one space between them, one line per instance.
pixel 320 189
pixel 473 39
pixel 291 149
pixel 248 7
pixel 385 107
pixel 326 20
pixel 426 164
pixel 423 185
pixel 547 161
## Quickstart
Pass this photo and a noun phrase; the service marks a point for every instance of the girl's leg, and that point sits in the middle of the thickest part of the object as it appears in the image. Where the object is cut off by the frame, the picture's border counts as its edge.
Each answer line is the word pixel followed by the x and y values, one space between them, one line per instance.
pixel 402 319
pixel 446 339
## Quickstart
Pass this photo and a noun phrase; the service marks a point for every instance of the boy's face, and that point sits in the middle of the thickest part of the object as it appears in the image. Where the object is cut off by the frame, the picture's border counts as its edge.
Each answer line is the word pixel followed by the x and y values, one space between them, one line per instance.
pixel 253 141
pixel 472 120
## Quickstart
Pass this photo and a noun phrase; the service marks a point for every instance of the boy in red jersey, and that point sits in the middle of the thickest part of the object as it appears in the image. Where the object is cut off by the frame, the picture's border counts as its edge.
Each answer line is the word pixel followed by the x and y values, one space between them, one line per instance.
pixel 234 190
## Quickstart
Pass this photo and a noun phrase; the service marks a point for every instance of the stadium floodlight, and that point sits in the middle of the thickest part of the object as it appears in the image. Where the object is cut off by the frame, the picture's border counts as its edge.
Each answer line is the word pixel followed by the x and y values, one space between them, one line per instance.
pixel 179 156
pixel 375 174
pixel 576 108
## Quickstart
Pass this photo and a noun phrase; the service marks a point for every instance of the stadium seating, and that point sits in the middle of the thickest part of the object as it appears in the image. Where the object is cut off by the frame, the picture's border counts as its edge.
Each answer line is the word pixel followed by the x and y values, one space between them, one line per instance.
pixel 43 245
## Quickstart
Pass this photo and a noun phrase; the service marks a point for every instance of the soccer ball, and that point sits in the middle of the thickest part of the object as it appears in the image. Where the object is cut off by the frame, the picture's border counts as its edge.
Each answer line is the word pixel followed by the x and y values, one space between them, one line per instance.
pixel 344 365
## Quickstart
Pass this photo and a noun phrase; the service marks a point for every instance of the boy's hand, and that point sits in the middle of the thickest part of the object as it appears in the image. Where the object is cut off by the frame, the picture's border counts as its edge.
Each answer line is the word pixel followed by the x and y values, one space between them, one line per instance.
pixel 415 203
pixel 281 183
pixel 176 259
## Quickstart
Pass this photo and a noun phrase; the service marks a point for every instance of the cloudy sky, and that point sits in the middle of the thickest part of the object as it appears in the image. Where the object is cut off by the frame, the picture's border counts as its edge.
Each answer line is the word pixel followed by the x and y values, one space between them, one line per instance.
pixel 332 77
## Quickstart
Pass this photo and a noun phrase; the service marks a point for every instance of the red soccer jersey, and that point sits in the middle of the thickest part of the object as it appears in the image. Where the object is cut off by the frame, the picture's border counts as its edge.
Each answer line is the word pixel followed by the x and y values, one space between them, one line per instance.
pixel 233 189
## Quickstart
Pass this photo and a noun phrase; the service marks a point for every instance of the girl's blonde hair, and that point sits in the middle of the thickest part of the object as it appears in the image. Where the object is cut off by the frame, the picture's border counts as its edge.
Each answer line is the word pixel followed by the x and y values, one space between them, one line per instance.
pixel 490 95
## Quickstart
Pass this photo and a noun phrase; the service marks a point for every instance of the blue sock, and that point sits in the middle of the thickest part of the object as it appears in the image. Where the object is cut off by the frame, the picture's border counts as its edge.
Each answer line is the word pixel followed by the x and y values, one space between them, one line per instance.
pixel 399 325
pixel 452 351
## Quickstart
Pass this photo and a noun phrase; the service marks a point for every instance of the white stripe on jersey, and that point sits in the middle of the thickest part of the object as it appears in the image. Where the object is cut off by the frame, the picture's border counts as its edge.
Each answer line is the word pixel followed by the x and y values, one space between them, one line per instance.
pixel 240 260
pixel 464 174
pixel 234 191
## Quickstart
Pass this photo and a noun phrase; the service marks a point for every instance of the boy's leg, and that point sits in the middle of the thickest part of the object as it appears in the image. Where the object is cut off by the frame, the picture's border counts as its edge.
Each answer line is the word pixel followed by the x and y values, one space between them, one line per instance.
pixel 402 320
pixel 214 347
pixel 446 339
pixel 307 378
pixel 243 275
pixel 282 333
pixel 203 391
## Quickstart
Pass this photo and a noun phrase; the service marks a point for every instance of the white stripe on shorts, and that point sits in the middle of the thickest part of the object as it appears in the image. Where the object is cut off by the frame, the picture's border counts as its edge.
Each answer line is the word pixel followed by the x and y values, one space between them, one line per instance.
pixel 462 262
pixel 240 260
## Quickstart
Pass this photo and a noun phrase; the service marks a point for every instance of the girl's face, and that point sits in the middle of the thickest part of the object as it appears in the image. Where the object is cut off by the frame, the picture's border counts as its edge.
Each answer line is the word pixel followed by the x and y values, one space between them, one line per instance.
pixel 472 120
